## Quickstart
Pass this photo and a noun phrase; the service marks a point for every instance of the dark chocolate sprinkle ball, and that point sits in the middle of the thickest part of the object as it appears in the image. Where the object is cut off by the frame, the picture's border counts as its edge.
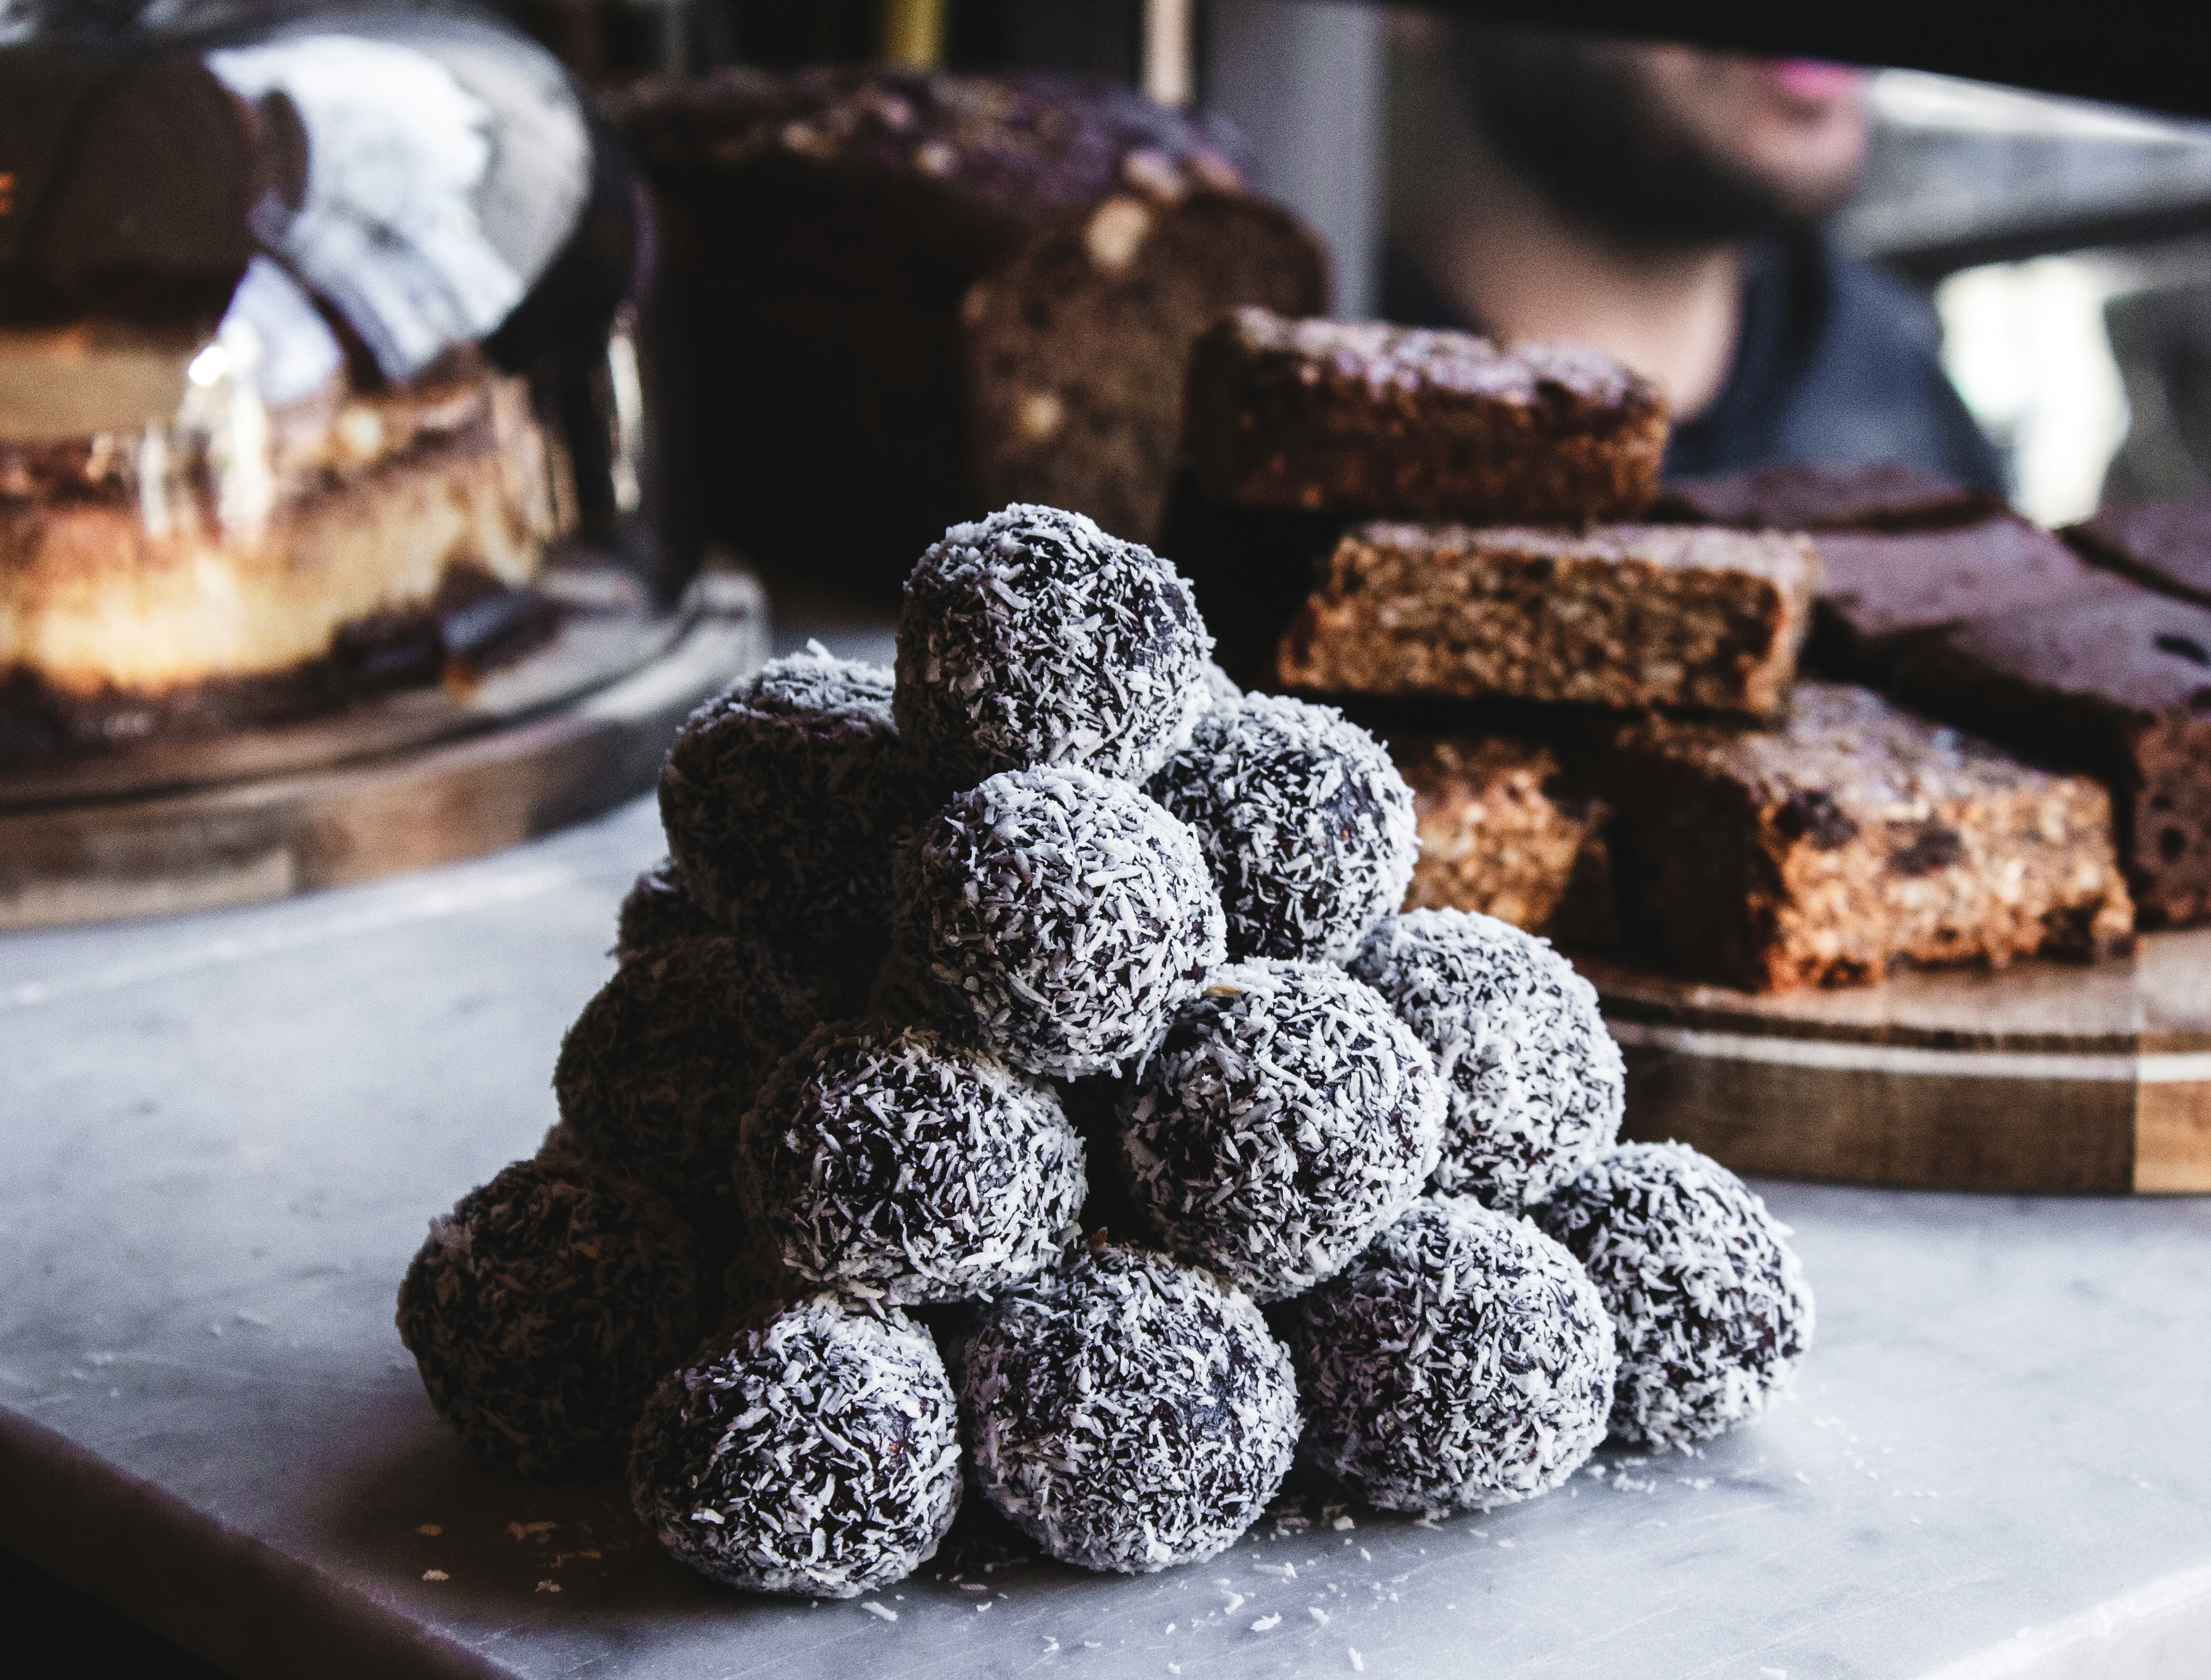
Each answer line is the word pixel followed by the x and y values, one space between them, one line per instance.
pixel 1463 1360
pixel 1307 824
pixel 659 1069
pixel 1126 1412
pixel 1536 1085
pixel 657 910
pixel 1032 637
pixel 890 1162
pixel 1287 1117
pixel 542 1309
pixel 783 798
pixel 1710 1304
pixel 815 1452
pixel 1064 915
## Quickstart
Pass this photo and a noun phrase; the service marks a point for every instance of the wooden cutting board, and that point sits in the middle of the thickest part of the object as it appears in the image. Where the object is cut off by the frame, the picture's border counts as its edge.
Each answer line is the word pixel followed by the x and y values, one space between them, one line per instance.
pixel 424 776
pixel 2041 1076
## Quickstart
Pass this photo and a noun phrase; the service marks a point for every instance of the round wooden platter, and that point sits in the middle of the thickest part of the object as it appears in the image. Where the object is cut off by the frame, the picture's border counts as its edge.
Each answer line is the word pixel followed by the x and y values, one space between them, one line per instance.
pixel 423 777
pixel 2040 1077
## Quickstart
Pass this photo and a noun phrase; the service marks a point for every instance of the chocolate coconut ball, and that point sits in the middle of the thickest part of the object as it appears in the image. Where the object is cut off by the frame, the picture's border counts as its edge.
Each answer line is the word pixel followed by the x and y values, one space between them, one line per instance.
pixel 1707 1298
pixel 1536 1085
pixel 1126 1412
pixel 1463 1360
pixel 893 1162
pixel 816 1452
pixel 1062 915
pixel 783 798
pixel 1287 1117
pixel 1306 825
pixel 1220 684
pixel 659 911
pixel 659 1069
pixel 542 1309
pixel 1032 637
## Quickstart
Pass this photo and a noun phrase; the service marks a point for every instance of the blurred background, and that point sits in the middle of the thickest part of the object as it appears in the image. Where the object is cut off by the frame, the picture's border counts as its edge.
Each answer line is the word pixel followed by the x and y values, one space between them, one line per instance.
pixel 2064 247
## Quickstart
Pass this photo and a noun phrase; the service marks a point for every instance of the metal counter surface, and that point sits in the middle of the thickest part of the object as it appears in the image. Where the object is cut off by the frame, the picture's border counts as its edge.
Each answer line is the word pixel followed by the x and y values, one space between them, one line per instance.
pixel 223 1137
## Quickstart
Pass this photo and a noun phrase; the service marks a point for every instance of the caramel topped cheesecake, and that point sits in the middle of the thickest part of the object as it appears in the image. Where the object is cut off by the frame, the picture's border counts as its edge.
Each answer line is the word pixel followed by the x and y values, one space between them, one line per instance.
pixel 280 536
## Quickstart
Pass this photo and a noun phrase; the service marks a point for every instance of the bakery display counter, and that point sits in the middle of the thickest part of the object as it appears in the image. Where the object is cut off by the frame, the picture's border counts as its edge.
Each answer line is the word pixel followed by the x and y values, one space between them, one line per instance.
pixel 206 1416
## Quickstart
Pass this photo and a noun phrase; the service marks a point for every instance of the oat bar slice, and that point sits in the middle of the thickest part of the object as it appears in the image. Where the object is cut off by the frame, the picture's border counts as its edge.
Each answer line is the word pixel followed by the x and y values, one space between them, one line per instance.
pixel 1853 837
pixel 1504 831
pixel 1369 420
pixel 1617 615
pixel 2119 687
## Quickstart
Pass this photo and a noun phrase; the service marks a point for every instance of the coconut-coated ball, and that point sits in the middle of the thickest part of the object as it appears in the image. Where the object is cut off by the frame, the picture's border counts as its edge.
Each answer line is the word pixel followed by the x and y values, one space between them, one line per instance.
pixel 1062 915
pixel 890 1162
pixel 1307 824
pixel 656 911
pixel 542 1309
pixel 659 1069
pixel 783 798
pixel 1032 637
pixel 1536 1085
pixel 815 1451
pixel 1709 1301
pixel 1287 1117
pixel 1464 1361
pixel 1127 1412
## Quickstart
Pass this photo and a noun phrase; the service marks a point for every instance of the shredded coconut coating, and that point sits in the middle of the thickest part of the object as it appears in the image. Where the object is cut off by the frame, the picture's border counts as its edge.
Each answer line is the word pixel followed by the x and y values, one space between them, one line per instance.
pixel 1220 684
pixel 659 911
pixel 1286 1117
pixel 816 1451
pixel 542 1309
pixel 1307 824
pixel 1127 1413
pixel 1464 1361
pixel 659 1069
pixel 1710 1304
pixel 1032 637
pixel 1537 1084
pixel 783 799
pixel 1063 913
pixel 891 1162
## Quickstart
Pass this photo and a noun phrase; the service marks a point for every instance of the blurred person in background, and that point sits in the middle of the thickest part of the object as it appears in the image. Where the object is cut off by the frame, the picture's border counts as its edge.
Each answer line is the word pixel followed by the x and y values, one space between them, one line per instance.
pixel 1664 204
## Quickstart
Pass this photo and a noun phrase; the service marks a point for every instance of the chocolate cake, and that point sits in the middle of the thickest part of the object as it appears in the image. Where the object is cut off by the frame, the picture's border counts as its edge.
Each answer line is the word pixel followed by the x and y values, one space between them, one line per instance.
pixel 1620 615
pixel 1824 495
pixel 2167 544
pixel 1884 589
pixel 1504 831
pixel 960 291
pixel 2118 687
pixel 1850 837
pixel 1366 418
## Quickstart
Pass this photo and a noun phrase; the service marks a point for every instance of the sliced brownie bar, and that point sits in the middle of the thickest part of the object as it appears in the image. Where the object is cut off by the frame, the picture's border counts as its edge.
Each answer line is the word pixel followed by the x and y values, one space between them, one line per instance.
pixel 1365 419
pixel 1502 831
pixel 2167 544
pixel 1852 837
pixel 1883 589
pixel 2119 687
pixel 1824 495
pixel 1620 615
pixel 892 299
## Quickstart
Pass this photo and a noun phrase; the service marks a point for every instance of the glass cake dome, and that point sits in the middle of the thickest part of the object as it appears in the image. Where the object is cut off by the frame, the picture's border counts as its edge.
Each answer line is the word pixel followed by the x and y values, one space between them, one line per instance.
pixel 318 348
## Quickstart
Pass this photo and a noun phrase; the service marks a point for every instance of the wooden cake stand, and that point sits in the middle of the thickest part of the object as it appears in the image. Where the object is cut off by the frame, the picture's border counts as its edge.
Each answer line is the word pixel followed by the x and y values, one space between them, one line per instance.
pixel 423 776
pixel 2042 1076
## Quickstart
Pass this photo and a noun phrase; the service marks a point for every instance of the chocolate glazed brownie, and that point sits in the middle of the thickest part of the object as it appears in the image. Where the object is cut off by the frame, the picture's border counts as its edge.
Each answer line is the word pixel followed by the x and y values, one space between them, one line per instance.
pixel 2119 687
pixel 1824 495
pixel 952 292
pixel 2165 545
pixel 1853 837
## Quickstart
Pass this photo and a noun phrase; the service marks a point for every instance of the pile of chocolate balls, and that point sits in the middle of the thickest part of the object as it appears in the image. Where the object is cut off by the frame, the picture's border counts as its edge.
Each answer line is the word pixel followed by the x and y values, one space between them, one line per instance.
pixel 1018 1073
